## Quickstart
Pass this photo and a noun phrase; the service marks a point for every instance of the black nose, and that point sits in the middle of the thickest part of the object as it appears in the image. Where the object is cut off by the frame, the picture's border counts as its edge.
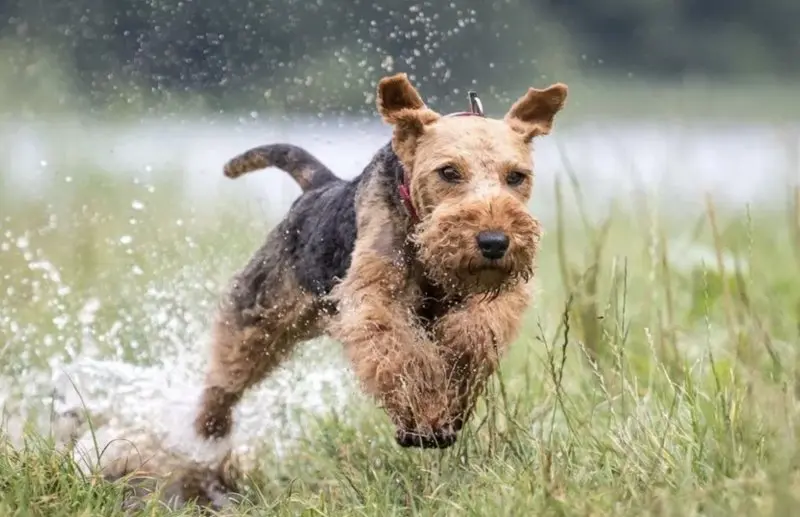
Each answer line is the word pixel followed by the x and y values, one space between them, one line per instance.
pixel 493 244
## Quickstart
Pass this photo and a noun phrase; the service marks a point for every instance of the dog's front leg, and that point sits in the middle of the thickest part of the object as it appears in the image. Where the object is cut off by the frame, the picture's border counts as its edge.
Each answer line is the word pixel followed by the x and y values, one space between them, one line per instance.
pixel 391 356
pixel 472 339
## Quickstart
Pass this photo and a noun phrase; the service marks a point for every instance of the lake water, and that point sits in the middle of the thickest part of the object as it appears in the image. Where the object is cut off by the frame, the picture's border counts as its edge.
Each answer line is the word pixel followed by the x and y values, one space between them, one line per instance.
pixel 750 162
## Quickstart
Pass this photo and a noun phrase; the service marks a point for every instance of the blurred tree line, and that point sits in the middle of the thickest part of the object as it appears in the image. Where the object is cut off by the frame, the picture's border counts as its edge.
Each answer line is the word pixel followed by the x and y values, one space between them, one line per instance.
pixel 327 53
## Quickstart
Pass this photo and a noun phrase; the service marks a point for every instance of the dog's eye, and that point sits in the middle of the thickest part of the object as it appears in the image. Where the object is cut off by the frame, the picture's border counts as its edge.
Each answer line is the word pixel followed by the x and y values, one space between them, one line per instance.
pixel 515 178
pixel 449 174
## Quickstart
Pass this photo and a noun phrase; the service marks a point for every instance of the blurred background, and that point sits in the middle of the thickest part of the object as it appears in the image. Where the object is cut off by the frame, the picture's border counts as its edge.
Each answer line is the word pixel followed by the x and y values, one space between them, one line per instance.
pixel 118 231
pixel 325 55
pixel 704 89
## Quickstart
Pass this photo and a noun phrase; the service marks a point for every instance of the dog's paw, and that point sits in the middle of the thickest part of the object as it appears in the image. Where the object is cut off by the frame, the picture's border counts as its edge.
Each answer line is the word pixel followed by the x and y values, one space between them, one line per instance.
pixel 438 439
pixel 211 426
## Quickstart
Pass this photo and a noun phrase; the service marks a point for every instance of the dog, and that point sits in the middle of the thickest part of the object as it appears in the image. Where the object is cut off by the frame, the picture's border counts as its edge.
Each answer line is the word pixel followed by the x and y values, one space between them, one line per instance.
pixel 419 266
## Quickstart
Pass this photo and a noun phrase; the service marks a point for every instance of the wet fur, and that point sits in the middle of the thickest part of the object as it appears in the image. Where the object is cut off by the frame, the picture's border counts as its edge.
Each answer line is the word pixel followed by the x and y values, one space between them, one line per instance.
pixel 288 282
pixel 423 318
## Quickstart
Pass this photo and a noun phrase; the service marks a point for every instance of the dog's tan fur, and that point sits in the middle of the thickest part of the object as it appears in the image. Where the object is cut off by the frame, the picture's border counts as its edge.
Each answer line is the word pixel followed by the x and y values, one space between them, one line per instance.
pixel 425 374
pixel 243 355
pixel 424 318
pixel 422 377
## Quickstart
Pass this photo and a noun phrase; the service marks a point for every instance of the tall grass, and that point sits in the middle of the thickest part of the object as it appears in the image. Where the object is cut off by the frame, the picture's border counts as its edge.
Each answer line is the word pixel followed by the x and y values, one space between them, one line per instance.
pixel 656 374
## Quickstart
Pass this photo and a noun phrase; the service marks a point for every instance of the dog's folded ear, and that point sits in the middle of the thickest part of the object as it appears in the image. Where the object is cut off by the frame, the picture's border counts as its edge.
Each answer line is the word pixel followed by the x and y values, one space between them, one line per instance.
pixel 400 105
pixel 532 115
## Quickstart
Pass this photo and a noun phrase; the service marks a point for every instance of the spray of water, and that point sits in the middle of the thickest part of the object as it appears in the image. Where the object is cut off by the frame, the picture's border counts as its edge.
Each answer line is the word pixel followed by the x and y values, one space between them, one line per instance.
pixel 71 369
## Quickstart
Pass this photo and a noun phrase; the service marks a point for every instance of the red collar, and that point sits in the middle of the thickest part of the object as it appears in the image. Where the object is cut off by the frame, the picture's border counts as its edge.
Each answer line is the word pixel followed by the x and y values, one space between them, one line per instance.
pixel 476 109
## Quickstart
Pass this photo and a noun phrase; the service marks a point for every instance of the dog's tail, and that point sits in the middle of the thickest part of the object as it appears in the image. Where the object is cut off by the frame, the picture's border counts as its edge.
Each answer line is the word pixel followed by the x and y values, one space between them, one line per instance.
pixel 306 170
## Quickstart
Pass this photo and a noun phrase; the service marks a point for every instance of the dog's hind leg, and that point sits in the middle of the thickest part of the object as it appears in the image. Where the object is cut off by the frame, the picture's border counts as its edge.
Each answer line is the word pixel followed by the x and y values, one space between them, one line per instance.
pixel 262 319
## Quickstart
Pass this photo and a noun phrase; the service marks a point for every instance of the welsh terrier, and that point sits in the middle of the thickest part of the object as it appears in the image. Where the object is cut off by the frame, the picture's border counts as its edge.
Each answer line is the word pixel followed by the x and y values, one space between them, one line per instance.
pixel 418 266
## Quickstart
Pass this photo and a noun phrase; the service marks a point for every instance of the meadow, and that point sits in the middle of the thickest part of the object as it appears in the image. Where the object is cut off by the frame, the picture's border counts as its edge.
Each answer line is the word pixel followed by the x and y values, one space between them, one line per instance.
pixel 657 373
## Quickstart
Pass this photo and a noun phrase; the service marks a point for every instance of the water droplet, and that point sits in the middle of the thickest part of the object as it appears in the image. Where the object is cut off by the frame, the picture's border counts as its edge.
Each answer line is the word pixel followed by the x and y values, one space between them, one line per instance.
pixel 61 321
pixel 88 312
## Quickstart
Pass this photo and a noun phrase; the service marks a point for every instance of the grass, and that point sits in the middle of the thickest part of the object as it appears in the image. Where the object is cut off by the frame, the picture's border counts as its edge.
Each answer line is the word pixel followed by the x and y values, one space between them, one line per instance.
pixel 656 375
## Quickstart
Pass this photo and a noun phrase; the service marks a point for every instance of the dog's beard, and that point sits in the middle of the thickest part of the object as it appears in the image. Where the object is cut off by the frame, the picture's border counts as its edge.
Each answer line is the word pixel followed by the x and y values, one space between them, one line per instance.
pixel 490 281
pixel 446 248
pixel 475 276
pixel 486 281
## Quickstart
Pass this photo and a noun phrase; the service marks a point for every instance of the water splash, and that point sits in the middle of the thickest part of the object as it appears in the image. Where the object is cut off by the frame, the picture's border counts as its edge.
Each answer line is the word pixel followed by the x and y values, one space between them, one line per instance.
pixel 74 366
pixel 162 400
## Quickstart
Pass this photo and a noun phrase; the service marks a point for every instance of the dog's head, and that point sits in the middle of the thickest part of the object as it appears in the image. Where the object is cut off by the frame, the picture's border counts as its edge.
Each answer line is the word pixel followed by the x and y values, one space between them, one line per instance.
pixel 470 179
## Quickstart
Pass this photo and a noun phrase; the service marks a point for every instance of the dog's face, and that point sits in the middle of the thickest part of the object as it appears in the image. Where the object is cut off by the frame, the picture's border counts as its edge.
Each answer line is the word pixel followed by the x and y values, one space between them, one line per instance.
pixel 470 180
